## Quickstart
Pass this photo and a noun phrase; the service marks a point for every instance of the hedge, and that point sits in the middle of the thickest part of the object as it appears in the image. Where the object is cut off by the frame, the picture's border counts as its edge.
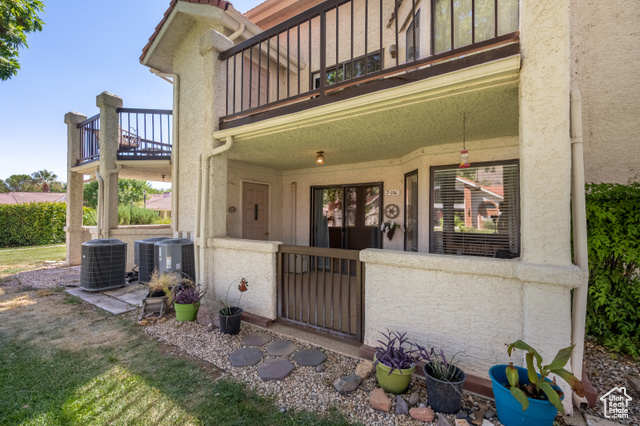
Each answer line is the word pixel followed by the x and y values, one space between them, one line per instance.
pixel 613 227
pixel 32 224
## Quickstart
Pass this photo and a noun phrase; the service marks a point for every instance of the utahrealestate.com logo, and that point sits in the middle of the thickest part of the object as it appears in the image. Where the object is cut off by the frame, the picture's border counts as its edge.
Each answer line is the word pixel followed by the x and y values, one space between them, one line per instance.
pixel 616 403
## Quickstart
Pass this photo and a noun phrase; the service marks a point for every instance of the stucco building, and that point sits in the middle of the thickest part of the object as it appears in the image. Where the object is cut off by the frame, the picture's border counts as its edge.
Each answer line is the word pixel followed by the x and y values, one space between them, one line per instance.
pixel 301 127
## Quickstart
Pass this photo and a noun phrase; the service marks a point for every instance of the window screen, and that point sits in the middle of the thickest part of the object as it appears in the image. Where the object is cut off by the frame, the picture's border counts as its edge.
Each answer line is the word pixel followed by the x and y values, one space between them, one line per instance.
pixel 476 211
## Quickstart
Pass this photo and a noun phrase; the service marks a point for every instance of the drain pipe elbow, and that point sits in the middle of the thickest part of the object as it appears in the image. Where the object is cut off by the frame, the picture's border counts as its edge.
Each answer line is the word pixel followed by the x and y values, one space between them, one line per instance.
pixel 237 34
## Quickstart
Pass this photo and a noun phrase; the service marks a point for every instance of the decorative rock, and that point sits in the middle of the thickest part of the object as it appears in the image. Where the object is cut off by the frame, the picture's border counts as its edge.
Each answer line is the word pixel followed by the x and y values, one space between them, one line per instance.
pixel 462 422
pixel 462 414
pixel 276 369
pixel 244 357
pixel 442 421
pixel 486 422
pixel 309 357
pixel 283 409
pixel 414 398
pixel 281 348
pixel 489 414
pixel 163 319
pixel 478 418
pixel 401 405
pixel 379 400
pixel 422 405
pixel 422 414
pixel 320 368
pixel 347 384
pixel 365 368
pixel 256 339
pixel 634 383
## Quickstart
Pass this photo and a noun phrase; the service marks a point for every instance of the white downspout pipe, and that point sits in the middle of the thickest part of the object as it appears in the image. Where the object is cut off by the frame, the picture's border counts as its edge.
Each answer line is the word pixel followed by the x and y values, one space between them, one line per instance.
pixel 175 163
pixel 107 188
pixel 203 201
pixel 99 207
pixel 580 247
pixel 240 30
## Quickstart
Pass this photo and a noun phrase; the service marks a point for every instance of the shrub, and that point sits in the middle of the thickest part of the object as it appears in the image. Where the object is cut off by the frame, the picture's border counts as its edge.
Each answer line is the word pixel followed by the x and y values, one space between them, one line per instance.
pixel 89 216
pixel 613 227
pixel 32 224
pixel 134 215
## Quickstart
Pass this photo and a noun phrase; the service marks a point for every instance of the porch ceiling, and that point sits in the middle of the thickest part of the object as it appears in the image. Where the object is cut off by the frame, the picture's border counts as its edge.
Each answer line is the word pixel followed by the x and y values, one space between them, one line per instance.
pixel 152 170
pixel 389 123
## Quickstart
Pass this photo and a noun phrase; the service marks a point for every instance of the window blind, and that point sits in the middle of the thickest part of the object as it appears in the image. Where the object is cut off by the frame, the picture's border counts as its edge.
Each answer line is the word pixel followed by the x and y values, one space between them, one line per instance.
pixel 476 211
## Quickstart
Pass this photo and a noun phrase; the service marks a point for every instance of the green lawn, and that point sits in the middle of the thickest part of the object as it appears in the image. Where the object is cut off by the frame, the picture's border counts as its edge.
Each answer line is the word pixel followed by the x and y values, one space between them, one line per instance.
pixel 17 259
pixel 65 362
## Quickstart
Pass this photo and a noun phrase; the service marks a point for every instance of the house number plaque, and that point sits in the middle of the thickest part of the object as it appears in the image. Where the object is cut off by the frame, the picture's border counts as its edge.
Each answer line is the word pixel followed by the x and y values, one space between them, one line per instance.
pixel 392 192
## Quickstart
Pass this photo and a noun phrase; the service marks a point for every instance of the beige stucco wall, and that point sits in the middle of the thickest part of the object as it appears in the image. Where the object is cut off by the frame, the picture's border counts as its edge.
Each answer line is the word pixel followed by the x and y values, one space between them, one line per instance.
pixel 605 59
pixel 233 259
pixel 499 301
pixel 133 233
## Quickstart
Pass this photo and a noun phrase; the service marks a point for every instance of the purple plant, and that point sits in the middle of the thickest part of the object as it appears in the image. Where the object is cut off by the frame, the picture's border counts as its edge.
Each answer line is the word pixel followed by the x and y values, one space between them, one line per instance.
pixel 189 295
pixel 394 352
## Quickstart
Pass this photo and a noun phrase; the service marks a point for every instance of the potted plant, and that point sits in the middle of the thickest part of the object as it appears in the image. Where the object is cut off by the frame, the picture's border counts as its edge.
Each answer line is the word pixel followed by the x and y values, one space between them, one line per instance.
pixel 395 362
pixel 525 396
pixel 389 228
pixel 231 316
pixel 444 380
pixel 187 301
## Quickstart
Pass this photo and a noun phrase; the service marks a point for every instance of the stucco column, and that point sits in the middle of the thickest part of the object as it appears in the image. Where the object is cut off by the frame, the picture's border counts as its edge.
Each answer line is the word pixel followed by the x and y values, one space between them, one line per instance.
pixel 109 135
pixel 74 189
pixel 545 154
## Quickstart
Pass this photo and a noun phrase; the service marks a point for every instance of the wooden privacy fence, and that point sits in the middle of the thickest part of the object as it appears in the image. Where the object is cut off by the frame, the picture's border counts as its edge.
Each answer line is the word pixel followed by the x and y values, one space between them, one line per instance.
pixel 322 288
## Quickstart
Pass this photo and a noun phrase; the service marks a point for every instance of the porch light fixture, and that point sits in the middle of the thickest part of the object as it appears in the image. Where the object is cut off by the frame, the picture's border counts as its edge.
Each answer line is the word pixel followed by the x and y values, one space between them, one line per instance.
pixel 464 154
pixel 320 157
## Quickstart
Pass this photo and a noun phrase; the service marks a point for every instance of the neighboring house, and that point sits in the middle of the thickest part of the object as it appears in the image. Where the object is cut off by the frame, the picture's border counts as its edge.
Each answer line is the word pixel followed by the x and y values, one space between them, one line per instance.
pixel 32 197
pixel 293 144
pixel 160 203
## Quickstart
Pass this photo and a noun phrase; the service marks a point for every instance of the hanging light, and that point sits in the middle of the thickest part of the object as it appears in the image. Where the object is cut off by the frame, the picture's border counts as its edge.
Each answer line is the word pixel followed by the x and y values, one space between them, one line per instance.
pixel 320 157
pixel 464 154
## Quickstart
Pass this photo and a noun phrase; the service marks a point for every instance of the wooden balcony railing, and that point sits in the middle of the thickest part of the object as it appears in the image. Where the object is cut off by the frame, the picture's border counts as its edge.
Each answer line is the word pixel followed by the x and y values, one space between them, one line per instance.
pixel 142 134
pixel 313 57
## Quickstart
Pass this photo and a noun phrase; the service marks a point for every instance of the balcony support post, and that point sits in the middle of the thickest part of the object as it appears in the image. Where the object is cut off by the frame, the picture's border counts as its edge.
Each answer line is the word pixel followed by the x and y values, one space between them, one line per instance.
pixel 73 226
pixel 109 135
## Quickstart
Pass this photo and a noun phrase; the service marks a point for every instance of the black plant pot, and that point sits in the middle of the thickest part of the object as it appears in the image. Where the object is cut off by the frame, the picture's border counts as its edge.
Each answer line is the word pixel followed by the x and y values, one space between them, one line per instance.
pixel 444 397
pixel 230 324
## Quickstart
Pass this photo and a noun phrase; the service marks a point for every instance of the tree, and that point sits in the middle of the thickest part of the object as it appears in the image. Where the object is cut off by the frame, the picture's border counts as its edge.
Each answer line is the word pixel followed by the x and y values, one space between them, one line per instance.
pixel 129 191
pixel 3 187
pixel 45 179
pixel 19 183
pixel 17 19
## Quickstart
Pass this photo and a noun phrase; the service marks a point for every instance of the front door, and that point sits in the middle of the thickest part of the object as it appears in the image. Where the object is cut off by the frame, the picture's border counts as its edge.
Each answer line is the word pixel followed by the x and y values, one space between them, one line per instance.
pixel 347 217
pixel 255 218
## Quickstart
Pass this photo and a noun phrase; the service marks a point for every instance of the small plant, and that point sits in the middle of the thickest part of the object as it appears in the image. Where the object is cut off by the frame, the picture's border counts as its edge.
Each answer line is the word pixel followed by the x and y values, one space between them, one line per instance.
pixel 395 351
pixel 163 282
pixel 189 295
pixel 538 387
pixel 441 368
pixel 227 309
pixel 390 226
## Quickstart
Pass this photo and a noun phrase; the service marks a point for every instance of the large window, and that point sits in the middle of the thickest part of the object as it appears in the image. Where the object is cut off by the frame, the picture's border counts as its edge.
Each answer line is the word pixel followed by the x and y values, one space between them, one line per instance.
pixel 413 33
pixel 484 24
pixel 476 211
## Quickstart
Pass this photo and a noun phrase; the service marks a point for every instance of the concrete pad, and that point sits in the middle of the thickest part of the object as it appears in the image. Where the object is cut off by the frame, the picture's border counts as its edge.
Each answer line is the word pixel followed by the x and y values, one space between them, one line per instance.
pixel 107 303
pixel 131 294
pixel 598 421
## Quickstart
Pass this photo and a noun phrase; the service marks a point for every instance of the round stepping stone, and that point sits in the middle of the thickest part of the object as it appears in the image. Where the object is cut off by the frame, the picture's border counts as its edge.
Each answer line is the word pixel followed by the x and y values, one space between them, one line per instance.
pixel 309 357
pixel 244 357
pixel 281 348
pixel 256 339
pixel 275 369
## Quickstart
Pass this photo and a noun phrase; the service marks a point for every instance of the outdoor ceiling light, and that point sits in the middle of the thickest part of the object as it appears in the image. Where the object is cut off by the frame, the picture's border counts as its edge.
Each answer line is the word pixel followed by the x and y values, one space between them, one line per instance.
pixel 320 157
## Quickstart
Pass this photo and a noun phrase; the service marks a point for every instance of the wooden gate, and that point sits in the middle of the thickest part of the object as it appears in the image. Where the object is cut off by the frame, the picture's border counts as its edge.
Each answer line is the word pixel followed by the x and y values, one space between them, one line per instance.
pixel 322 288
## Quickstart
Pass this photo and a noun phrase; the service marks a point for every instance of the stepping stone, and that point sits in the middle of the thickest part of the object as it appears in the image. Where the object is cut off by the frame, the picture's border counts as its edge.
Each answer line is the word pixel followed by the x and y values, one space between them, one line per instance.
pixel 281 348
pixel 256 339
pixel 276 369
pixel 309 357
pixel 244 357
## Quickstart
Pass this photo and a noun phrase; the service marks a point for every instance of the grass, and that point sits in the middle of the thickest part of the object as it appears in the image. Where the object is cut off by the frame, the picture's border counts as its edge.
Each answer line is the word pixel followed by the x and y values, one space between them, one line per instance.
pixel 73 364
pixel 18 259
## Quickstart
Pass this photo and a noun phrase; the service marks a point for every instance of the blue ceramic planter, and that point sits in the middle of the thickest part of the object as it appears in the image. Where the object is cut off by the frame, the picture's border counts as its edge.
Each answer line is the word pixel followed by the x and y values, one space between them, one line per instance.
pixel 539 413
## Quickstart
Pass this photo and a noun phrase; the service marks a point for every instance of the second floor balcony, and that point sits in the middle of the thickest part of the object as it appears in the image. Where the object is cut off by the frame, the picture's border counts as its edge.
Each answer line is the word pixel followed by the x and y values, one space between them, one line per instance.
pixel 342 49
pixel 143 134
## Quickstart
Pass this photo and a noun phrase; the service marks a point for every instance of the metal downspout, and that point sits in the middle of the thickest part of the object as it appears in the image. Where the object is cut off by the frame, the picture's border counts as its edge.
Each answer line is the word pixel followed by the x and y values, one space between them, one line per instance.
pixel 580 248
pixel 203 201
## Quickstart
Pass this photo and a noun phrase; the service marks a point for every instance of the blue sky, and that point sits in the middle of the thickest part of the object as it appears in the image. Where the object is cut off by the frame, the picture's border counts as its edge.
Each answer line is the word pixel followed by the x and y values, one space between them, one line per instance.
pixel 85 48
